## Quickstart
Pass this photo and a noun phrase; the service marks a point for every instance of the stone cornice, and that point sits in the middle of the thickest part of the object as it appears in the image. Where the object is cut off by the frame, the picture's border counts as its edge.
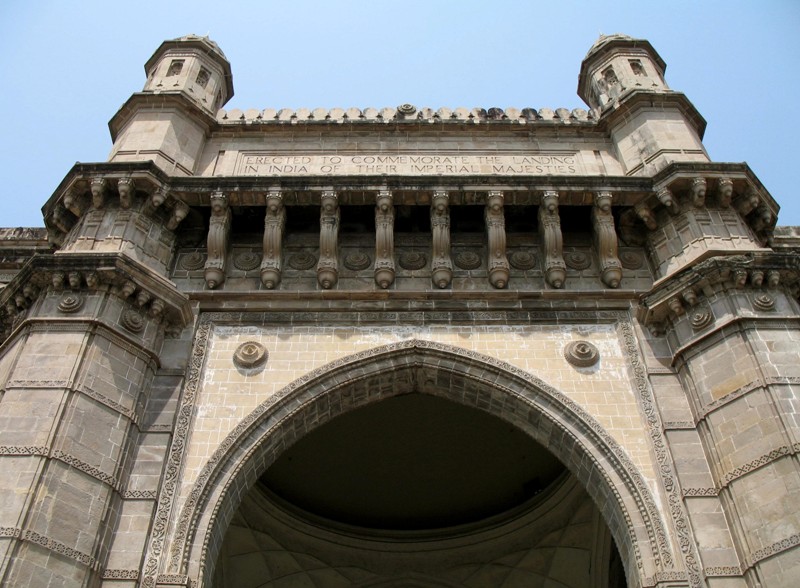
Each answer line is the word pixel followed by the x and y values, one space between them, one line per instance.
pixel 112 271
pixel 620 111
pixel 160 102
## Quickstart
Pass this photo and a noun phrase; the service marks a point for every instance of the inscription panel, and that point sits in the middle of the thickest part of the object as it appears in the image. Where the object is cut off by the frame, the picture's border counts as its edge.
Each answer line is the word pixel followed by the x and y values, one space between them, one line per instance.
pixel 261 163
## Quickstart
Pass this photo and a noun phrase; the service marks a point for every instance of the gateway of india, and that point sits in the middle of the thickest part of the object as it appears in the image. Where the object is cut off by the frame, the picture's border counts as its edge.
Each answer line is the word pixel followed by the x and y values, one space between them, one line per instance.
pixel 402 347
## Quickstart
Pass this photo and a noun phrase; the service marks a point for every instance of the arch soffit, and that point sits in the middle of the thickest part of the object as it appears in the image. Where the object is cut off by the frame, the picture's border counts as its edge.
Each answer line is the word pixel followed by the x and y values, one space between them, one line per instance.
pixel 467 377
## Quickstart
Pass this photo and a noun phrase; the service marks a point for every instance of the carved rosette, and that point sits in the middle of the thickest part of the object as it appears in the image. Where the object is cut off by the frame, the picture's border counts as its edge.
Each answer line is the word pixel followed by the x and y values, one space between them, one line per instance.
pixel 133 321
pixel 328 265
pixel 413 260
pixel 302 261
pixel 218 235
pixel 522 260
pixel 701 318
pixel 581 354
pixel 605 240
pixel 246 261
pixel 467 260
pixel 763 302
pixel 441 264
pixel 70 302
pixel 250 354
pixel 555 270
pixel 193 261
pixel 496 231
pixel 384 239
pixel 274 226
pixel 357 261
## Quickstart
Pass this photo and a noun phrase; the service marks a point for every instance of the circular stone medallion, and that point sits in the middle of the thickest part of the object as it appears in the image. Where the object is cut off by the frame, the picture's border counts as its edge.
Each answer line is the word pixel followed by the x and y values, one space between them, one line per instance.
pixel 581 354
pixel 631 260
pixel 250 354
pixel 133 321
pixel 764 302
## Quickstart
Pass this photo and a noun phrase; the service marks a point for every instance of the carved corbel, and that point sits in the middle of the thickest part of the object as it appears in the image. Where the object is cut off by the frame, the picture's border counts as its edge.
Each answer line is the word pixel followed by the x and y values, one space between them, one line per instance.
pixel 159 196
pixel 698 192
pixel 127 189
pixel 757 278
pixel 740 278
pixel 274 224
pixel 384 239
pixel 496 231
pixel 142 298
pixel 690 296
pixel 179 212
pixel 72 202
pixel 668 200
pixel 57 279
pixel 98 188
pixel 605 240
pixel 648 218
pixel 441 264
pixel 74 279
pixel 127 289
pixel 328 265
pixel 60 219
pixel 676 307
pixel 555 270
pixel 763 219
pixel 773 278
pixel 725 192
pixel 750 201
pixel 218 233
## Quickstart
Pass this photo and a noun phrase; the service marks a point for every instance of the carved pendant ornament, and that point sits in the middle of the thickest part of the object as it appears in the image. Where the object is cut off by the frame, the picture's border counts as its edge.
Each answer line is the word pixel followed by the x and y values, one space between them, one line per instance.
pixel 274 227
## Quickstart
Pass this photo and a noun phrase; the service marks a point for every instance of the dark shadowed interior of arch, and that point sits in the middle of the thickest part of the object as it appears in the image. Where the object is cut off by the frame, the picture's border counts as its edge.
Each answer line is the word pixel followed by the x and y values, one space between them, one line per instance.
pixel 412 462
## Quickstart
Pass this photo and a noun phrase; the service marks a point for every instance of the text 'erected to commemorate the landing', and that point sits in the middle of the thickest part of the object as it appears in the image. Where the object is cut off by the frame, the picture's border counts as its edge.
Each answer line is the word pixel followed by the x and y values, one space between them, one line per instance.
pixel 265 164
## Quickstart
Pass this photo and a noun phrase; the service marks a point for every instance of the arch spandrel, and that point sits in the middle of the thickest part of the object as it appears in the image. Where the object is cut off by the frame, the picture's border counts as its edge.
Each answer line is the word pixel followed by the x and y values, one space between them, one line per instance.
pixel 227 394
pixel 477 380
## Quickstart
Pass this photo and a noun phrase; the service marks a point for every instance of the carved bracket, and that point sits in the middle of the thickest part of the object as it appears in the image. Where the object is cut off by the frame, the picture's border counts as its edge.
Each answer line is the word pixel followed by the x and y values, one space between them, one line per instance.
pixel 605 240
pixel 555 270
pixel 274 225
pixel 384 239
pixel 441 264
pixel 328 264
pixel 218 236
pixel 496 232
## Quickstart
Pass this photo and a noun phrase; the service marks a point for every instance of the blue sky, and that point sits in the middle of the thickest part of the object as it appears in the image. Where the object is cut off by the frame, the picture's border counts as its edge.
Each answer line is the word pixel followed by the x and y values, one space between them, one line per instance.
pixel 68 66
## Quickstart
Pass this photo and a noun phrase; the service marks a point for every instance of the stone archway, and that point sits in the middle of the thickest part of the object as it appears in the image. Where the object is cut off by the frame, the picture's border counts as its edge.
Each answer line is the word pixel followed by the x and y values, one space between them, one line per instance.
pixel 474 380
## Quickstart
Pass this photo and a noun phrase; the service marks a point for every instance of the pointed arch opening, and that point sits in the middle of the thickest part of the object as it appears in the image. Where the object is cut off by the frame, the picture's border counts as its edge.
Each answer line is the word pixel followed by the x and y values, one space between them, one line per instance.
pixel 596 464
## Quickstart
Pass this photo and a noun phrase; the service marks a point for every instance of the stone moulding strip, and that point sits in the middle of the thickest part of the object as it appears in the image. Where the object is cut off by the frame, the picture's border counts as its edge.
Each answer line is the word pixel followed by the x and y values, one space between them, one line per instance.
pixel 24 450
pixel 709 492
pixel 679 425
pixel 49 544
pixel 140 495
pixel 766 459
pixel 87 469
pixel 115 574
pixel 722 571
pixel 743 391
pixel 766 552
pixel 107 402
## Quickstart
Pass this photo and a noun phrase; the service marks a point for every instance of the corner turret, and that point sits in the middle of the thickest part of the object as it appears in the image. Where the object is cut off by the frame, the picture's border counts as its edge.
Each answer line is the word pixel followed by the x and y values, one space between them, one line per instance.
pixel 652 126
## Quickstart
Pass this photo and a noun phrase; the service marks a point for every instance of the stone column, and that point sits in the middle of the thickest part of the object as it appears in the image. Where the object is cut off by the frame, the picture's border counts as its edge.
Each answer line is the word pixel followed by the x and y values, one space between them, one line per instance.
pixel 555 270
pixel 77 376
pixel 496 232
pixel 274 224
pixel 384 240
pixel 441 264
pixel 328 265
